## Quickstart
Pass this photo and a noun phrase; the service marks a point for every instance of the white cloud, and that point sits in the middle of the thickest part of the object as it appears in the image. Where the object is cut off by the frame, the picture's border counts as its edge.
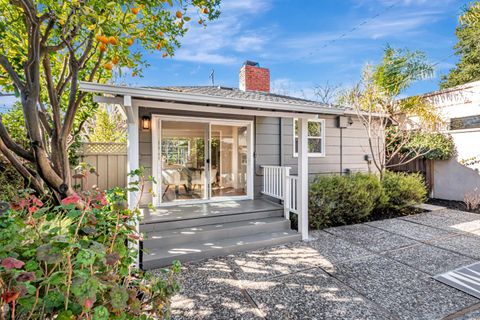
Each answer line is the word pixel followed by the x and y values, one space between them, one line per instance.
pixel 228 33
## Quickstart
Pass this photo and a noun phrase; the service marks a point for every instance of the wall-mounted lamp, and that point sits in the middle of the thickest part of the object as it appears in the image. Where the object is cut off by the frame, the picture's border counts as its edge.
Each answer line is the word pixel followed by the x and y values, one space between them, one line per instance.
pixel 146 123
pixel 350 120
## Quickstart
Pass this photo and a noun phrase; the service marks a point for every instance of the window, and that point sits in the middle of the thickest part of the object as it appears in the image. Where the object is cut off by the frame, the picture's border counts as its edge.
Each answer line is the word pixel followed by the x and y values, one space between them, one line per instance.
pixel 316 138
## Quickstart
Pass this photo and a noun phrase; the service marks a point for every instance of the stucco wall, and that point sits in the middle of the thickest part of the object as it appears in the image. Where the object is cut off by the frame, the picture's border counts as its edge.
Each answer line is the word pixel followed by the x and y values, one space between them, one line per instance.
pixel 453 180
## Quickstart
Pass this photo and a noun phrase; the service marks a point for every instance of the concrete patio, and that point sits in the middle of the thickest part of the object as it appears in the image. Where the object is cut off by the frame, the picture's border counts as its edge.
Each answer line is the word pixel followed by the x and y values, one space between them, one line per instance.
pixel 375 270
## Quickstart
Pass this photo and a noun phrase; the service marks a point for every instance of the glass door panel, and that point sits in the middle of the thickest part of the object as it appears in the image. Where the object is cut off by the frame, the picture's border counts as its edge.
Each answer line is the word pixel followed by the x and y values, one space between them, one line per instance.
pixel 229 156
pixel 183 146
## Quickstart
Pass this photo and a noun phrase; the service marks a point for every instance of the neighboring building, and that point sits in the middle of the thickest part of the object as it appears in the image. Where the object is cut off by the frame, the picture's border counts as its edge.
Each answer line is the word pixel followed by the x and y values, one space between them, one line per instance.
pixel 217 152
pixel 460 109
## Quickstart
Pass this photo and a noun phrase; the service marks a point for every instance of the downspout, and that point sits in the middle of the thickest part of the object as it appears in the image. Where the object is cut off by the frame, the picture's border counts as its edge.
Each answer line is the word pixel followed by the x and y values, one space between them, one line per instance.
pixel 281 141
pixel 341 151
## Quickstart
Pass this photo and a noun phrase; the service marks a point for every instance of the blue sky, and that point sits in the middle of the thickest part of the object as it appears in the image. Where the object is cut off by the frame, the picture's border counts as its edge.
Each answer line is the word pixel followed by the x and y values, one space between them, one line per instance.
pixel 301 42
pixel 294 39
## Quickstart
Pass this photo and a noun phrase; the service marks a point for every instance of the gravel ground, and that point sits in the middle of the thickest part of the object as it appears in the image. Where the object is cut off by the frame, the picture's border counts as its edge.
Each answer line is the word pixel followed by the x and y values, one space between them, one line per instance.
pixel 376 270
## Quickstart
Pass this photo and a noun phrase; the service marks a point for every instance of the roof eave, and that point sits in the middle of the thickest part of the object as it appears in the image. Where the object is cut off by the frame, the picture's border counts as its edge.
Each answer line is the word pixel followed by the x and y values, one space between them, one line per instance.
pixel 157 94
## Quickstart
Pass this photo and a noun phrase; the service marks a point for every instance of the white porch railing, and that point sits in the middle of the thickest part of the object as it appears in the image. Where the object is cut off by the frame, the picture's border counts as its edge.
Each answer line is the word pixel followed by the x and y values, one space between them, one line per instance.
pixel 279 184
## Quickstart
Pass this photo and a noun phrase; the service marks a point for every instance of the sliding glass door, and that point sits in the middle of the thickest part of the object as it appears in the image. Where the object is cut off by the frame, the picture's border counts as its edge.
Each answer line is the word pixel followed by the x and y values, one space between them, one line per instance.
pixel 229 160
pixel 183 148
pixel 201 159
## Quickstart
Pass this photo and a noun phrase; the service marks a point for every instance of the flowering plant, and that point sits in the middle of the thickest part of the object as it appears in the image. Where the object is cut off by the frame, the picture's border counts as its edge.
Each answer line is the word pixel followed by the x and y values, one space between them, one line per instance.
pixel 77 260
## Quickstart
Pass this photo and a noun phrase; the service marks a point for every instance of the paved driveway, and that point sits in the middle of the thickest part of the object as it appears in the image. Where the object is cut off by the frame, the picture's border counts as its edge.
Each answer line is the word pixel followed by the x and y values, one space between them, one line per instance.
pixel 375 270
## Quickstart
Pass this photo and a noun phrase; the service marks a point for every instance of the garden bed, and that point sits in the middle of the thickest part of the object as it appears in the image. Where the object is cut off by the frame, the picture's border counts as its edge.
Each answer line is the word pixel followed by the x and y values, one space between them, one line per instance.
pixel 451 204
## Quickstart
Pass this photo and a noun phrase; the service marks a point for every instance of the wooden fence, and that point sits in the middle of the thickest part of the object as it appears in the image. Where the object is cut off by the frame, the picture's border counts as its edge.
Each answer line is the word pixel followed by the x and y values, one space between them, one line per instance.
pixel 419 165
pixel 110 162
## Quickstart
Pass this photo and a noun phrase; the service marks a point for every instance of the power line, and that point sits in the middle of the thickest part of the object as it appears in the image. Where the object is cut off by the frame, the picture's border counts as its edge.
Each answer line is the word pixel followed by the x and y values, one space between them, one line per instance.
pixel 346 33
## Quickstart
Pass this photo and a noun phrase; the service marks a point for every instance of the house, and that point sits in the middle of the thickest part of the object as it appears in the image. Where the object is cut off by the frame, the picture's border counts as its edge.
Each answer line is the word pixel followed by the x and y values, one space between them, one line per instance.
pixel 459 107
pixel 231 164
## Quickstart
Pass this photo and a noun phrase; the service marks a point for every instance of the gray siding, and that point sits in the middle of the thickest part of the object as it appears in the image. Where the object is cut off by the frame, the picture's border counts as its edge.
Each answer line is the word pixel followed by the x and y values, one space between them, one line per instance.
pixel 269 132
pixel 355 147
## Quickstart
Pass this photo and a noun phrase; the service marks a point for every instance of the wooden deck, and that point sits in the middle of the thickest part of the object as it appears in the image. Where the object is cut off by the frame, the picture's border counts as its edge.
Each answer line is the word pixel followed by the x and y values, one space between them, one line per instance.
pixel 203 210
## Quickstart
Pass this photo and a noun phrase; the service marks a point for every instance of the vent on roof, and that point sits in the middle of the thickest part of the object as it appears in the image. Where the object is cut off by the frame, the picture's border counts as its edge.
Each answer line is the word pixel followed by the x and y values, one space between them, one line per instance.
pixel 224 88
pixel 251 63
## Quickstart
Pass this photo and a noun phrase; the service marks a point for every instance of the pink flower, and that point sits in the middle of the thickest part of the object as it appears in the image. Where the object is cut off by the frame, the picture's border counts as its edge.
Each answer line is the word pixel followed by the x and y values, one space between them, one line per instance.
pixel 12 263
pixel 71 199
pixel 88 303
pixel 37 202
pixel 101 198
pixel 32 209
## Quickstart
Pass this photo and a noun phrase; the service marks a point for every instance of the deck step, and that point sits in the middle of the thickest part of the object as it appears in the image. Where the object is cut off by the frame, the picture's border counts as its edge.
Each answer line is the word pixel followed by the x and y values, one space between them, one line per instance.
pixel 213 232
pixel 209 220
pixel 192 251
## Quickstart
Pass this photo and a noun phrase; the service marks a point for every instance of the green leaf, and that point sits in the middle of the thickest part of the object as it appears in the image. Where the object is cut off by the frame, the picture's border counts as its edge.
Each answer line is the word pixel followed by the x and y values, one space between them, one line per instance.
pixel 100 313
pixel 65 315
pixel 118 298
pixel 86 257
pixel 57 278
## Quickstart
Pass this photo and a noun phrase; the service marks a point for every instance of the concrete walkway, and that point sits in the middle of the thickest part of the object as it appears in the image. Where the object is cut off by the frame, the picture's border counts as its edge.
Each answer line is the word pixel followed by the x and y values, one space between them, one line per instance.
pixel 375 270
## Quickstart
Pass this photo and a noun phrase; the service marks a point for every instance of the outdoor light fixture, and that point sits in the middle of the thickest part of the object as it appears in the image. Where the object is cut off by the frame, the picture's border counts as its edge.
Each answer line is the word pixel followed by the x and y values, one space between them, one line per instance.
pixel 146 123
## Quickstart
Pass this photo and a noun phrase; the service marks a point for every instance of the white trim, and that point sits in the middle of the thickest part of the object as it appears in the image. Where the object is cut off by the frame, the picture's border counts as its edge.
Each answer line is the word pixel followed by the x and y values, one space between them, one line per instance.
pixel 156 167
pixel 311 154
pixel 159 94
pixel 302 187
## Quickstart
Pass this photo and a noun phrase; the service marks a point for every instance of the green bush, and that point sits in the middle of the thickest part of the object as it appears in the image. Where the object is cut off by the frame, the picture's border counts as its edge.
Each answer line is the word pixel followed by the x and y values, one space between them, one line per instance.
pixel 74 261
pixel 402 190
pixel 338 200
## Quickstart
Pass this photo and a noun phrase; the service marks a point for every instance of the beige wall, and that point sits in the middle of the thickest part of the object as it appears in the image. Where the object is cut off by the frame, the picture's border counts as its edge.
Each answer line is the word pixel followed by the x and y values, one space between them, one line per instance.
pixel 268 149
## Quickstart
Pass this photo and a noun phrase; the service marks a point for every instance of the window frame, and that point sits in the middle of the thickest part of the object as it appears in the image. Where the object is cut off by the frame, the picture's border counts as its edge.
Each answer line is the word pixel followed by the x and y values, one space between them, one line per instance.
pixel 322 137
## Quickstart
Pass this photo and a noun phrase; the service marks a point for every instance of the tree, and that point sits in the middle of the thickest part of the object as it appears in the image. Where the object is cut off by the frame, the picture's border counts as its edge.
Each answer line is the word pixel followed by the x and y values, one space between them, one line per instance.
pixel 107 126
pixel 390 122
pixel 467 48
pixel 327 93
pixel 48 46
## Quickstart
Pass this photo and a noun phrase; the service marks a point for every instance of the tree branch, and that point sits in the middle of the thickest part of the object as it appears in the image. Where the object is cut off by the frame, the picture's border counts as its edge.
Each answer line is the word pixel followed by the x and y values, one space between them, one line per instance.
pixel 12 73
pixel 21 168
pixel 10 144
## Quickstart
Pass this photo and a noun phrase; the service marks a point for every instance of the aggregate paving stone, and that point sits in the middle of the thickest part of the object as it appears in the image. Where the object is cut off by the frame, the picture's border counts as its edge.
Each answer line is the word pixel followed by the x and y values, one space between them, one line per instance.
pixel 205 277
pixel 217 306
pixel 467 245
pixel 274 261
pixel 404 291
pixel 334 249
pixel 371 238
pixel 430 259
pixel 311 294
pixel 410 229
pixel 450 220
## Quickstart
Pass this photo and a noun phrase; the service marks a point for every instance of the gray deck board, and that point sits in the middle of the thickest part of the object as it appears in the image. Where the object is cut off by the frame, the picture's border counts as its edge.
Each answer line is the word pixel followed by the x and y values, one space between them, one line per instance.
pixel 195 211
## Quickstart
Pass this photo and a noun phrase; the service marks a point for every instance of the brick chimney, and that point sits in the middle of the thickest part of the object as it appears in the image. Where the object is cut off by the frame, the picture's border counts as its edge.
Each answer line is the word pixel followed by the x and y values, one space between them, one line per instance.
pixel 254 78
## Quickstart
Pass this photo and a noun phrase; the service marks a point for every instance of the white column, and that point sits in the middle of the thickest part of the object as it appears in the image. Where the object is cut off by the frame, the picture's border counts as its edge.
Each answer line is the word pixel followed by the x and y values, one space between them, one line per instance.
pixel 133 161
pixel 132 157
pixel 302 186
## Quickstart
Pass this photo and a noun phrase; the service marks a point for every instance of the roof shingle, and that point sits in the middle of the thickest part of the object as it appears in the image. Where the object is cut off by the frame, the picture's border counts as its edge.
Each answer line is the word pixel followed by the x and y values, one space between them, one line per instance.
pixel 234 93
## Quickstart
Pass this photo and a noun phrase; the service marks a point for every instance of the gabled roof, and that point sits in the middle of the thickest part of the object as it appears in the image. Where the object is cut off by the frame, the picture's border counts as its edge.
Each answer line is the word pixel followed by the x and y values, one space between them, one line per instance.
pixel 218 97
pixel 227 92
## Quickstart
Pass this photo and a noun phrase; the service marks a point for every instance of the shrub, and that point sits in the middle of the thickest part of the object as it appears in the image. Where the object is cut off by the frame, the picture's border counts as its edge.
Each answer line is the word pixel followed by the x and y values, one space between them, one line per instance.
pixel 435 145
pixel 338 200
pixel 402 190
pixel 74 261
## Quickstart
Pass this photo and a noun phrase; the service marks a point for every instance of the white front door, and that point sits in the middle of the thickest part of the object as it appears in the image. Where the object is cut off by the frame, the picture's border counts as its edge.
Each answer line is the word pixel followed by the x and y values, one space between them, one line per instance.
pixel 199 159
